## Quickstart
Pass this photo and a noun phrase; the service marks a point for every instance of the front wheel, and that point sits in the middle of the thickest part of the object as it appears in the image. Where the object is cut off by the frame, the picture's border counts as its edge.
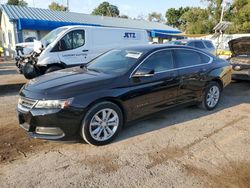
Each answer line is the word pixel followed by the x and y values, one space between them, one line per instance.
pixel 211 96
pixel 102 123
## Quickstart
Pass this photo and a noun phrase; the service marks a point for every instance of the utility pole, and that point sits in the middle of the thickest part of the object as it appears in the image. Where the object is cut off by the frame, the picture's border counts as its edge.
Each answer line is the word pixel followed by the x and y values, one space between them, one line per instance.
pixel 68 5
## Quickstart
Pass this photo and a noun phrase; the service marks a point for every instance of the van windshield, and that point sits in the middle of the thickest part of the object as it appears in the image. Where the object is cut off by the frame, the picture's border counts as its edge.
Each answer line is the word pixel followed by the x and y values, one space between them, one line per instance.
pixel 51 36
pixel 114 61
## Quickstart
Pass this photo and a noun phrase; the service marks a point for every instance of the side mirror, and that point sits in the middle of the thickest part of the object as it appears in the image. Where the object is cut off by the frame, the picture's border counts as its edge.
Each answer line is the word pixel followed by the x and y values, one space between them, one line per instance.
pixel 144 72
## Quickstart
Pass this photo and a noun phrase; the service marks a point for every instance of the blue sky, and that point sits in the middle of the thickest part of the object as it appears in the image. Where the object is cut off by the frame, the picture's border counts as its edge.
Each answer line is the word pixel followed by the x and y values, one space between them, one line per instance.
pixel 132 8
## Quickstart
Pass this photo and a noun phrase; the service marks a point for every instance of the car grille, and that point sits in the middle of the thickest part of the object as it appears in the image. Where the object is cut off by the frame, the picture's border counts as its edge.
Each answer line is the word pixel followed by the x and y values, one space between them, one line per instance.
pixel 26 104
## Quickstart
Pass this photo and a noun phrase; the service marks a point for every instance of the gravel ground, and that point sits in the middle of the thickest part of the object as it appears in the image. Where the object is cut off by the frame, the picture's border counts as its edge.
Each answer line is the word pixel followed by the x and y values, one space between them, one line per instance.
pixel 177 148
pixel 9 75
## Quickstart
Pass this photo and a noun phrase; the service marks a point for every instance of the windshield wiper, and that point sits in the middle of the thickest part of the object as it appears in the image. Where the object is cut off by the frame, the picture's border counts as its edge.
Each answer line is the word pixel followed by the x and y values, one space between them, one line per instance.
pixel 84 66
pixel 94 70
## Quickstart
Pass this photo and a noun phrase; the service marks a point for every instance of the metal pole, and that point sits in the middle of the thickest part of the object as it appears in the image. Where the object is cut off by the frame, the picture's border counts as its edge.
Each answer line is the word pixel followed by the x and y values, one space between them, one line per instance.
pixel 222 12
pixel 68 5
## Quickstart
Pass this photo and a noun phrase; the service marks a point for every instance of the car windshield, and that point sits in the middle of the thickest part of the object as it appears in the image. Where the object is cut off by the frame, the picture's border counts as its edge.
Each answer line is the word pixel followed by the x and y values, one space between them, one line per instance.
pixel 51 36
pixel 114 61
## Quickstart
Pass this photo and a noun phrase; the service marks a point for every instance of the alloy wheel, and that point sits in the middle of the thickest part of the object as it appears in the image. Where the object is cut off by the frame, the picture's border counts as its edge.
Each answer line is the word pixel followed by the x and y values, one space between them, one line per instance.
pixel 213 96
pixel 104 124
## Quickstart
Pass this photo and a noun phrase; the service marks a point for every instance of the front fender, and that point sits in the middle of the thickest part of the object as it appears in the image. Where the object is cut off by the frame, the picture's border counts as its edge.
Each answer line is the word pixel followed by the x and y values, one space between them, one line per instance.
pixel 44 60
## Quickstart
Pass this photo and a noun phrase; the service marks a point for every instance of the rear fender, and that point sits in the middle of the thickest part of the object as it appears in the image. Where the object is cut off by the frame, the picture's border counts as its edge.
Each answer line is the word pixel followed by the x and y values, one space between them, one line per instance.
pixel 222 74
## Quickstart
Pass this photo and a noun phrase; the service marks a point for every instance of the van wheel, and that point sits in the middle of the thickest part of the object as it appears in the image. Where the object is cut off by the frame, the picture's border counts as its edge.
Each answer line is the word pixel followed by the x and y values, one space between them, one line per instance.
pixel 53 68
pixel 211 96
pixel 102 123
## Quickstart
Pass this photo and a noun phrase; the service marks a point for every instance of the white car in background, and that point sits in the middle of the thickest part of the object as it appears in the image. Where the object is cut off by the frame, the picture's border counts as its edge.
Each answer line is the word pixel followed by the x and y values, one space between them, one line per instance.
pixel 76 45
pixel 26 47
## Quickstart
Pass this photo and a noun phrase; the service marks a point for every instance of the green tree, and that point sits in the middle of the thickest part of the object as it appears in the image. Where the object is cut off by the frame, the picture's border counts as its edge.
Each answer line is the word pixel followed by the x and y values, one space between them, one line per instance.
pixel 106 9
pixel 57 6
pixel 173 16
pixel 156 17
pixel 197 21
pixel 214 7
pixel 17 2
pixel 241 19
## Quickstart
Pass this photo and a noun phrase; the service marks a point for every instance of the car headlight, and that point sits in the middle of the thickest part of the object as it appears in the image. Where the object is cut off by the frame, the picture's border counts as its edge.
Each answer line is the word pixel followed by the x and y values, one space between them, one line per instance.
pixel 53 104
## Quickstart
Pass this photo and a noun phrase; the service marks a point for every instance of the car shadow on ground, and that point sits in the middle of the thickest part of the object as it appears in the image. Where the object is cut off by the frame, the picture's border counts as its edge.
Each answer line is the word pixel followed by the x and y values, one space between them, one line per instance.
pixel 235 94
pixel 6 72
pixel 7 68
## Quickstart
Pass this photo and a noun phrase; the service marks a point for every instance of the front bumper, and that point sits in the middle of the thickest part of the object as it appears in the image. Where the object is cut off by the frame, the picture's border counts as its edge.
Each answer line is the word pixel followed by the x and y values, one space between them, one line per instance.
pixel 51 124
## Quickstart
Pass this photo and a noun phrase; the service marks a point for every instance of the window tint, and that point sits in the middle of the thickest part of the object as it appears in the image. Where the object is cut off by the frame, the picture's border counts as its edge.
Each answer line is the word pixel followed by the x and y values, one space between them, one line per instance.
pixel 160 61
pixel 72 40
pixel 191 44
pixel 204 59
pixel 185 58
pixel 199 45
pixel 78 39
pixel 115 61
pixel 66 42
pixel 209 44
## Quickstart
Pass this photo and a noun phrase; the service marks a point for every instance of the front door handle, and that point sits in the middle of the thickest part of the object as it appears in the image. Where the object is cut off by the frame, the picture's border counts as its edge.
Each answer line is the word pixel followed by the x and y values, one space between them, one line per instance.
pixel 85 50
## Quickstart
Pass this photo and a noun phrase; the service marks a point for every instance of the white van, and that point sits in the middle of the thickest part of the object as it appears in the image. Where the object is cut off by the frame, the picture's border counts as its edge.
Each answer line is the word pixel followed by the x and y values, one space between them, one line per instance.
pixel 76 45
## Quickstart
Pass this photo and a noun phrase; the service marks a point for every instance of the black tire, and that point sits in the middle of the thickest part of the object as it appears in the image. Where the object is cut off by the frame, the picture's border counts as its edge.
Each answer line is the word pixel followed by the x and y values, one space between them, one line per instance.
pixel 89 117
pixel 205 103
pixel 53 68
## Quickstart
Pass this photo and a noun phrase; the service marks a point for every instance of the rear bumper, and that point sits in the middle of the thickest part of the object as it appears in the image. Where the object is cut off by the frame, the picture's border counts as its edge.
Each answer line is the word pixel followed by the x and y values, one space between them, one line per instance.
pixel 241 74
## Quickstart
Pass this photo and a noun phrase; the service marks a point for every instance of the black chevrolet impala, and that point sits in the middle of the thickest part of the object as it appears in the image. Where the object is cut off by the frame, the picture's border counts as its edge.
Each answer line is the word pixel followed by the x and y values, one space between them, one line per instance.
pixel 95 101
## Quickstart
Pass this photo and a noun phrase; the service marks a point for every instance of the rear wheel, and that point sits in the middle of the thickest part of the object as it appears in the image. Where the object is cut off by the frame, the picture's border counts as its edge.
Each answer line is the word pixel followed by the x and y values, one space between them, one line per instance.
pixel 211 96
pixel 102 123
pixel 53 68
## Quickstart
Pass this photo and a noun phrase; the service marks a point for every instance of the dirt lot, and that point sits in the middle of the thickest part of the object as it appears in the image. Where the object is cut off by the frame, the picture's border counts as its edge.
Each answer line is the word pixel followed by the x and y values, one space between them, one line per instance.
pixel 8 74
pixel 178 148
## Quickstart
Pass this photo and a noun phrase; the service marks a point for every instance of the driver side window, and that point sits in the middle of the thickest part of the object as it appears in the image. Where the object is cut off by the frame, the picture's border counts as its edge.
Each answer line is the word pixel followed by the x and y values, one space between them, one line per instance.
pixel 72 40
pixel 160 61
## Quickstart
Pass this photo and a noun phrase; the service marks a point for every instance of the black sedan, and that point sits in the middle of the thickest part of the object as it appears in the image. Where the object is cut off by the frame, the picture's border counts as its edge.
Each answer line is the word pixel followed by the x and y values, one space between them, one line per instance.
pixel 96 100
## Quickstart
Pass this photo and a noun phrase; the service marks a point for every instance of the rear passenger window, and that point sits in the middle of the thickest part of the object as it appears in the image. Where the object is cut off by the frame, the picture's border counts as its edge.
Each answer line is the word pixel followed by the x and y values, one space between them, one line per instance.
pixel 160 61
pixel 199 45
pixel 186 58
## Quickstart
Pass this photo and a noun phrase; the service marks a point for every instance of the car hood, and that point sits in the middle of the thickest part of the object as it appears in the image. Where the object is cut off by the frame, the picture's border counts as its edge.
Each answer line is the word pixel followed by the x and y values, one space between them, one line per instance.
pixel 67 81
pixel 240 46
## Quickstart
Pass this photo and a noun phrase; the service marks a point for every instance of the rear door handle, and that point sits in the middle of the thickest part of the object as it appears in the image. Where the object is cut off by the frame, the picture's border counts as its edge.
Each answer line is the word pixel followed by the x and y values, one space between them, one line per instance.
pixel 85 50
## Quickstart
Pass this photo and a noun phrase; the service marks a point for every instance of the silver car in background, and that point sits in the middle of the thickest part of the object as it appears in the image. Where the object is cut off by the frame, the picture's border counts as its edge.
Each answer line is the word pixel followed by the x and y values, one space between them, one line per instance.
pixel 205 45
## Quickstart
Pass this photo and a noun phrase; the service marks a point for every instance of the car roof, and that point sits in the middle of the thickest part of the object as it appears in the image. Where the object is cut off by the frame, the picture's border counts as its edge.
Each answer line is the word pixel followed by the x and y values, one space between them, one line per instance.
pixel 192 40
pixel 154 47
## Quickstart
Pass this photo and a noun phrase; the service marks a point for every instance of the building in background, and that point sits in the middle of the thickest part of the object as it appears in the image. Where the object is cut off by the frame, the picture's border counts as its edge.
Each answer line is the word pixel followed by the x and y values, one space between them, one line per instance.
pixel 20 24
